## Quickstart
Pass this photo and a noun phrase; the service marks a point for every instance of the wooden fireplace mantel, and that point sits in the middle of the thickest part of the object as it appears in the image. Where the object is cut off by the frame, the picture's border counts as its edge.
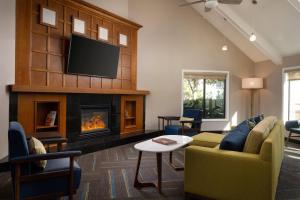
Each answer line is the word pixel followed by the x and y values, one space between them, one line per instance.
pixel 35 89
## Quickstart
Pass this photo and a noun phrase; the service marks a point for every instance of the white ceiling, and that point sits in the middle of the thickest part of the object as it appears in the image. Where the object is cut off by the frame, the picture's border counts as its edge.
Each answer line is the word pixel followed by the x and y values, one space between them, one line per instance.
pixel 275 22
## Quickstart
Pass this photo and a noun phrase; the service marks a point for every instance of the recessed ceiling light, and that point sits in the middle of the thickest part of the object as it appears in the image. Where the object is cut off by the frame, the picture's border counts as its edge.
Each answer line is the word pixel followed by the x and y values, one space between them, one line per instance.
pixel 211 4
pixel 252 37
pixel 225 48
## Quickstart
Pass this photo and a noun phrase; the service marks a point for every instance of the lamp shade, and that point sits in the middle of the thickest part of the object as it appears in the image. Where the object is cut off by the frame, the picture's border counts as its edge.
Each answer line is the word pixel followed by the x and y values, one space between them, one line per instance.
pixel 252 83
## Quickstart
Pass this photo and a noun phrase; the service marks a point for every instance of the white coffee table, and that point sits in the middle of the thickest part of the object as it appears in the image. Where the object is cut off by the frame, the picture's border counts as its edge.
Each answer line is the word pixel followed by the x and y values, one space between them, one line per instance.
pixel 150 146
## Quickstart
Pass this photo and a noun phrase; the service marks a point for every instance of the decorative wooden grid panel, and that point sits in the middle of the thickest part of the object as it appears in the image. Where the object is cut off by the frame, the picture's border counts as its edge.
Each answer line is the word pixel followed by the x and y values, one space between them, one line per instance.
pixel 48 47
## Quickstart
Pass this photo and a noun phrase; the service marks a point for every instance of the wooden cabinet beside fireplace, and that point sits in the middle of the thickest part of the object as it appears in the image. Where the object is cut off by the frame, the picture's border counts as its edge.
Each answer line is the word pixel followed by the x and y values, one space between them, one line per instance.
pixel 33 110
pixel 132 113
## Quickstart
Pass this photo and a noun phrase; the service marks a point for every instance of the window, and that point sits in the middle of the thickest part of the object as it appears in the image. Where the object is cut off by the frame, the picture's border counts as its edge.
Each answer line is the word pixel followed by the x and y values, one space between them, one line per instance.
pixel 291 94
pixel 206 91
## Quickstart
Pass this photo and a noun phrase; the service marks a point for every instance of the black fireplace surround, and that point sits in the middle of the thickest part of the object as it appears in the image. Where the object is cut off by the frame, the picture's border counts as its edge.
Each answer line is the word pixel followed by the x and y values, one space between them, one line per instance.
pixel 76 103
pixel 93 140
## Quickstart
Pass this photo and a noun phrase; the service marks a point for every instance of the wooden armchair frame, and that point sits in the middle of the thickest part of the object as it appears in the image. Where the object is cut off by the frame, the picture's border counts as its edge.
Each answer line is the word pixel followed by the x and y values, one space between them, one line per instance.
pixel 18 161
pixel 169 120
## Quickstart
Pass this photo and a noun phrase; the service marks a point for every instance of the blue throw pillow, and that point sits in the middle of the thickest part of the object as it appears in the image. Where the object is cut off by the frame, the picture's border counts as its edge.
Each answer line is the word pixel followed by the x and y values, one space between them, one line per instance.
pixel 257 119
pixel 243 127
pixel 236 139
pixel 251 124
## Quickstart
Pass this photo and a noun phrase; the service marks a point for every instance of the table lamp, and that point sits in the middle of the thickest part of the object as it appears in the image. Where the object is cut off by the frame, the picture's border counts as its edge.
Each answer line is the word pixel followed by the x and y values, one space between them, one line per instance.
pixel 252 84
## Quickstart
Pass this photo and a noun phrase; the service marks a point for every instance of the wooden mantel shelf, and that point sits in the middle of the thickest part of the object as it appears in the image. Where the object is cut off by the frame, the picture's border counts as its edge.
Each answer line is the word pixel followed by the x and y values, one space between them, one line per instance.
pixel 35 89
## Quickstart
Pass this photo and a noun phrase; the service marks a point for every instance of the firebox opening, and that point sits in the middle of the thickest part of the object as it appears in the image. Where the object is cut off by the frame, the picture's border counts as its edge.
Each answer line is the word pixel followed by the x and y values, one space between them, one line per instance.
pixel 94 120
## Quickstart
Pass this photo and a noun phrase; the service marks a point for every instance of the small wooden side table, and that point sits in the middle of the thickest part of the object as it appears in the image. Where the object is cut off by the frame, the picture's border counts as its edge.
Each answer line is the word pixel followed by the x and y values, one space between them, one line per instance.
pixel 169 120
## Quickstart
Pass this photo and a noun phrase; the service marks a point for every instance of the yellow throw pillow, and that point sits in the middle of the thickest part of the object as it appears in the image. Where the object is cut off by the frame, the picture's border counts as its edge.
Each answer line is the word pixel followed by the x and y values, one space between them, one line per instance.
pixel 187 119
pixel 258 134
pixel 37 147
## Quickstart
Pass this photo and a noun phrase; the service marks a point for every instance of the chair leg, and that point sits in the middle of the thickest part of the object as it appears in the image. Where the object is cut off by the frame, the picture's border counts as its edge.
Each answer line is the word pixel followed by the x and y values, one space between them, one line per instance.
pixel 288 139
pixel 71 178
pixel 186 196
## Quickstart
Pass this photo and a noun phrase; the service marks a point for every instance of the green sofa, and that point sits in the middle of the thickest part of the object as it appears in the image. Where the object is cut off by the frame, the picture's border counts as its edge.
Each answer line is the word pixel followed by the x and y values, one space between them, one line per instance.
pixel 221 174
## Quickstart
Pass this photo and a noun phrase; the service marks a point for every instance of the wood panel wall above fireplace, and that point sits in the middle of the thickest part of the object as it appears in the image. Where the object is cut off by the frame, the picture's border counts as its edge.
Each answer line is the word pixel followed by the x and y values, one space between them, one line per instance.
pixel 42 51
pixel 41 61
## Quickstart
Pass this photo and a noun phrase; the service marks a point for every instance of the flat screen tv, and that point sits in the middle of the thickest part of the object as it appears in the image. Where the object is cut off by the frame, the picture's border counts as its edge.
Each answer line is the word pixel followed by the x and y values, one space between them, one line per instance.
pixel 92 57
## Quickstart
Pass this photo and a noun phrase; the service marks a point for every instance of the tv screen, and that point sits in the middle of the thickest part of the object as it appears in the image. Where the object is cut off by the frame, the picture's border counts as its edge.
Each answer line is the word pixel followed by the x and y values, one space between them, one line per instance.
pixel 92 57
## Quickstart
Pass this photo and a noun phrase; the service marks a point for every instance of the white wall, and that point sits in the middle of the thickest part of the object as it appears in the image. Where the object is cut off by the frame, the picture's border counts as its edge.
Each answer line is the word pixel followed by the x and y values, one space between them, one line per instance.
pixel 175 38
pixel 271 97
pixel 7 66
pixel 172 39
pixel 268 100
pixel 119 7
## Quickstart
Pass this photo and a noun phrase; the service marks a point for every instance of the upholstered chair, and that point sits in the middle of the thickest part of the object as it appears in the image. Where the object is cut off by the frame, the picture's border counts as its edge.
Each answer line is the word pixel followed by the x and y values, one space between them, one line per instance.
pixel 60 177
pixel 182 128
pixel 293 127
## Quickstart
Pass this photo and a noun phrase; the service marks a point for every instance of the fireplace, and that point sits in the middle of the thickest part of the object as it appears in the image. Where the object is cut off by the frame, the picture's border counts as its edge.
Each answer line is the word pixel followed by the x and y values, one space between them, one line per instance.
pixel 90 116
pixel 94 120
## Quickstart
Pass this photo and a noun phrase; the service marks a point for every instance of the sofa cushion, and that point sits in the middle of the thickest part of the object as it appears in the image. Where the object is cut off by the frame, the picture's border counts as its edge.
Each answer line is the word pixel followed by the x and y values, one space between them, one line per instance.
pixel 251 124
pixel 187 119
pixel 207 139
pixel 234 140
pixel 257 119
pixel 243 127
pixel 37 147
pixel 258 134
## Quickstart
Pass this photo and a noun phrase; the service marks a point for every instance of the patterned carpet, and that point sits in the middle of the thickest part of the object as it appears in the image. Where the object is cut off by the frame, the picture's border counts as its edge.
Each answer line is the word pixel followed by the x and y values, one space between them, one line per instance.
pixel 109 174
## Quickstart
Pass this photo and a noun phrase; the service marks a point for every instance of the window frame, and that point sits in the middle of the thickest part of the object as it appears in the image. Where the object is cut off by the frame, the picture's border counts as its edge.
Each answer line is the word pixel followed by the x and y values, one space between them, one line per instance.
pixel 226 92
pixel 286 92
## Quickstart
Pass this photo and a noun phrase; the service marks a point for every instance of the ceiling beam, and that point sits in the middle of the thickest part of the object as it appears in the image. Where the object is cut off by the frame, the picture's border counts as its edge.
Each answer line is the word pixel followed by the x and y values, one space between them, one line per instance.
pixel 241 33
pixel 245 29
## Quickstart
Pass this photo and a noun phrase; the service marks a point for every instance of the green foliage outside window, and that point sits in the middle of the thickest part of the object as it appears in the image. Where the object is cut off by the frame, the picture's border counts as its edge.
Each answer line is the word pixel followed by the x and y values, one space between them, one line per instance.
pixel 205 94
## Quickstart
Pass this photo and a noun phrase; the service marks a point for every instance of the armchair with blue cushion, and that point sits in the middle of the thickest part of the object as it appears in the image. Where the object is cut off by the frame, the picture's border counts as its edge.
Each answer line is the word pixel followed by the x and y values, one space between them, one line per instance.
pixel 293 127
pixel 60 177
pixel 182 129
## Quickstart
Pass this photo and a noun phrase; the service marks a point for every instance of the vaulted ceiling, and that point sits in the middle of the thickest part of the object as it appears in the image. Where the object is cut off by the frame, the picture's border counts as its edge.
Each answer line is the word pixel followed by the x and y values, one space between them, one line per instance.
pixel 276 24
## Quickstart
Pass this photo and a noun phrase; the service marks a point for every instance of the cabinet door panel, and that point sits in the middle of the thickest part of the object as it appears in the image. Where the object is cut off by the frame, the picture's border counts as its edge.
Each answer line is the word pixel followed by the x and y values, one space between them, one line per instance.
pixel 132 113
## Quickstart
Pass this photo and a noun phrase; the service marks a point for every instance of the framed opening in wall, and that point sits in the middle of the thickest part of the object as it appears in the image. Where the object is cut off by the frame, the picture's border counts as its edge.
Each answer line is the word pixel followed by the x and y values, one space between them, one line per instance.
pixel 208 91
pixel 291 95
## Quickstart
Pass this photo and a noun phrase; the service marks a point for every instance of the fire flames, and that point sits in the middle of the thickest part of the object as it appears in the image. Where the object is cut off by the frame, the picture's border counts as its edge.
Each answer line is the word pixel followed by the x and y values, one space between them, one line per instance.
pixel 92 123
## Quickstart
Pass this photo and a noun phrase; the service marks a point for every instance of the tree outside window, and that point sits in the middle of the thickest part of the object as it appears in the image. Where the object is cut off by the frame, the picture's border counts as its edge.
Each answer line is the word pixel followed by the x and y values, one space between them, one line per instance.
pixel 205 91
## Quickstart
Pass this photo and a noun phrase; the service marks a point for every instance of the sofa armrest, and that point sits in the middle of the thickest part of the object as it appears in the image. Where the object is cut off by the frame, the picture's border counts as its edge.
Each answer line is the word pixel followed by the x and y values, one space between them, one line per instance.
pixel 222 174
